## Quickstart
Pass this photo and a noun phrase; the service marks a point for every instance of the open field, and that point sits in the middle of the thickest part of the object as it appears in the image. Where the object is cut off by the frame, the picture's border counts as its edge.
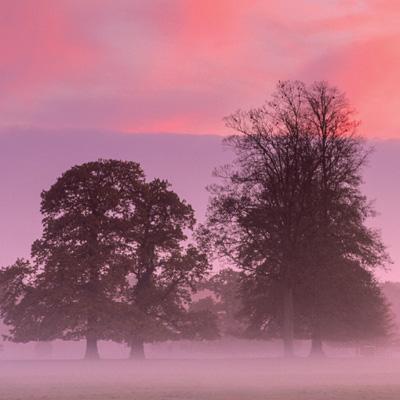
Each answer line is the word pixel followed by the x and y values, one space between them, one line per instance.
pixel 272 379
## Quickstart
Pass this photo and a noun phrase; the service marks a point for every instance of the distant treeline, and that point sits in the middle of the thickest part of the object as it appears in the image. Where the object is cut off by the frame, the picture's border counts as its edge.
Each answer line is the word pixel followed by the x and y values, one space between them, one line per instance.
pixel 121 258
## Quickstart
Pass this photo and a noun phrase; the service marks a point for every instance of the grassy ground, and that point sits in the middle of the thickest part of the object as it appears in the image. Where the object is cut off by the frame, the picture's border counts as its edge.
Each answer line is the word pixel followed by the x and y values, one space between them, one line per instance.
pixel 273 379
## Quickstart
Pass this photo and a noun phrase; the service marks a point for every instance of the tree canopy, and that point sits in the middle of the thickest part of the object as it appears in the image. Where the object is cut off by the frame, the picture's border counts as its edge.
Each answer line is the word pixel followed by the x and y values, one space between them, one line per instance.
pixel 114 261
pixel 289 209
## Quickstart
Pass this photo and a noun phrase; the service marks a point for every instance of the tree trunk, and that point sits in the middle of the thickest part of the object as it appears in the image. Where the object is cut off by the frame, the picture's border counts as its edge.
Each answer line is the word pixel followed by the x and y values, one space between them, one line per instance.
pixel 137 350
pixel 316 331
pixel 92 351
pixel 288 321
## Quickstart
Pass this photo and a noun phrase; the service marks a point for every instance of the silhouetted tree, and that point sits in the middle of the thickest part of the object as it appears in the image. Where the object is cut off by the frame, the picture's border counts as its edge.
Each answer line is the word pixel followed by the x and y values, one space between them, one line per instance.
pixel 163 270
pixel 114 262
pixel 225 301
pixel 258 214
pixel 351 306
pixel 17 301
pixel 290 204
pixel 340 240
pixel 77 264
pixel 391 291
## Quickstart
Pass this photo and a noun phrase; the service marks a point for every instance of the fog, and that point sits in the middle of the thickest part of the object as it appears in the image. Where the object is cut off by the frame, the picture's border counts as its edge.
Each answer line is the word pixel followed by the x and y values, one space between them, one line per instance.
pixel 224 348
pixel 221 369
pixel 219 378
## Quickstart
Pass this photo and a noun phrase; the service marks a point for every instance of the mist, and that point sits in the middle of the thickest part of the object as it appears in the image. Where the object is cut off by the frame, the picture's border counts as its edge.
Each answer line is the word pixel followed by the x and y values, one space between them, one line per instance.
pixel 239 379
pixel 234 369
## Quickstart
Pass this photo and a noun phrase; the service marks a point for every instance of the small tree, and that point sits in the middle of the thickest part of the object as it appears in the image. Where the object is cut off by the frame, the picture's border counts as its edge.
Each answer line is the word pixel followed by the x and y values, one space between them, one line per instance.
pixel 17 301
pixel 225 301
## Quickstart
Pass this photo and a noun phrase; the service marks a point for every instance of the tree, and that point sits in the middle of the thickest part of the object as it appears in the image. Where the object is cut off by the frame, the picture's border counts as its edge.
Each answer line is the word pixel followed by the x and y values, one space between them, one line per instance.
pixel 163 271
pixel 340 240
pixel 17 298
pixel 225 301
pixel 391 291
pixel 114 262
pixel 77 263
pixel 258 213
pixel 351 307
pixel 289 208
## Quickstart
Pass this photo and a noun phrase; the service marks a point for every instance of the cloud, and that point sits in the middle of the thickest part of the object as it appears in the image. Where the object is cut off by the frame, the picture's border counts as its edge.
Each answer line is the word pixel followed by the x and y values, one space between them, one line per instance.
pixel 368 70
pixel 40 44
pixel 181 65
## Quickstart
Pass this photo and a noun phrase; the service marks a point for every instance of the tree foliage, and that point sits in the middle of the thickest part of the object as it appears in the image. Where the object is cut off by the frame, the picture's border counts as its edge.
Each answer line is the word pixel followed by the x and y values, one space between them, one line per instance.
pixel 224 301
pixel 289 209
pixel 114 261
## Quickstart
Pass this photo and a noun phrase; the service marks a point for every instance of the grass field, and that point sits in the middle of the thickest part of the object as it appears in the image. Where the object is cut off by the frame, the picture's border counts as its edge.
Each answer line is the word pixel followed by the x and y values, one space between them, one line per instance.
pixel 272 379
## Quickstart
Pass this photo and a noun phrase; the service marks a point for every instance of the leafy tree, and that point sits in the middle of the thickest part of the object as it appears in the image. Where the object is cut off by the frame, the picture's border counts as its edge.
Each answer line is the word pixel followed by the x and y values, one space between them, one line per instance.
pixel 17 298
pixel 340 243
pixel 352 307
pixel 225 301
pixel 163 271
pixel 258 213
pixel 391 291
pixel 77 263
pixel 289 209
pixel 114 262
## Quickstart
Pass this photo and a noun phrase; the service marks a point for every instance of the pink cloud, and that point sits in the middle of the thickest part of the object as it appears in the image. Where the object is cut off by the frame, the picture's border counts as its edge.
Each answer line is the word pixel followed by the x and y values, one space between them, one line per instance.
pixel 369 71
pixel 182 65
pixel 39 43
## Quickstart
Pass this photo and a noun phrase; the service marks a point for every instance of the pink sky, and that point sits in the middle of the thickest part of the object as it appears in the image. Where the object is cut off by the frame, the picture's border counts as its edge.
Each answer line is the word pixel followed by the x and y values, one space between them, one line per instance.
pixel 70 69
pixel 181 65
